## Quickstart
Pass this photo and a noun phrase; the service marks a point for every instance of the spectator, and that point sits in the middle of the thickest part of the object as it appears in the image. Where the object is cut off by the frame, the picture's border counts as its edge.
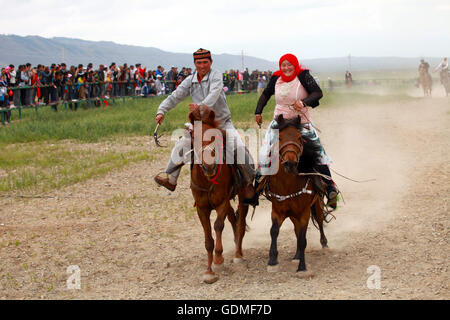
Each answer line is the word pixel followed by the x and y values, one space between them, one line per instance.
pixel 245 79
pixel 158 85
pixel 36 91
pixel 13 84
pixel 261 84
pixel 4 99
pixel 226 79
pixel 171 79
pixel 159 71
pixel 348 79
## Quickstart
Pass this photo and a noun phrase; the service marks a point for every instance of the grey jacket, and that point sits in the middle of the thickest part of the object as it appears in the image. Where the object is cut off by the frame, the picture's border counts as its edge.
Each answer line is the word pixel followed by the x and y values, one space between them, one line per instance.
pixel 208 93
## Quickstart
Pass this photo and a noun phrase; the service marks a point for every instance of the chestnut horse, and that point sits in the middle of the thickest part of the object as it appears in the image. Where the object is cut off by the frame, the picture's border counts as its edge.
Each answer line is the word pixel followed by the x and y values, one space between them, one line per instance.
pixel 292 195
pixel 212 188
pixel 425 81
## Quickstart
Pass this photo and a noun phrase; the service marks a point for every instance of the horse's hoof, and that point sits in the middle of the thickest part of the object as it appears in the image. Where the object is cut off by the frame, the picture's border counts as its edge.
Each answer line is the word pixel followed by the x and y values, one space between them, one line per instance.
pixel 217 267
pixel 272 269
pixel 304 274
pixel 210 278
pixel 238 260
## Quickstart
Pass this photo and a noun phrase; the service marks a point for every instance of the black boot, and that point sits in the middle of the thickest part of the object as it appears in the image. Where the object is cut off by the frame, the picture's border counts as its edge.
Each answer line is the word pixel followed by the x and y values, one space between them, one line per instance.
pixel 331 190
pixel 253 201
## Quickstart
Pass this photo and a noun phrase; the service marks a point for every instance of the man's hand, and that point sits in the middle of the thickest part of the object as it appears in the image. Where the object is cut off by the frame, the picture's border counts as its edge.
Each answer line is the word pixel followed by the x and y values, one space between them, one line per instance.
pixel 258 119
pixel 298 105
pixel 159 118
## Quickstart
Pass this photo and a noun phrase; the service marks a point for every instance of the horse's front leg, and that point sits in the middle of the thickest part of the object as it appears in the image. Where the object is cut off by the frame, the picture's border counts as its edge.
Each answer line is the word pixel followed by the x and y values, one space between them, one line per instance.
pixel 277 221
pixel 222 212
pixel 241 228
pixel 301 240
pixel 204 216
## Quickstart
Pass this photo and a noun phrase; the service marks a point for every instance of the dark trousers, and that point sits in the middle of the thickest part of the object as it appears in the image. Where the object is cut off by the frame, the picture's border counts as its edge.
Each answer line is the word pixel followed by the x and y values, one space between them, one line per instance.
pixel 325 170
pixel 23 97
pixel 7 113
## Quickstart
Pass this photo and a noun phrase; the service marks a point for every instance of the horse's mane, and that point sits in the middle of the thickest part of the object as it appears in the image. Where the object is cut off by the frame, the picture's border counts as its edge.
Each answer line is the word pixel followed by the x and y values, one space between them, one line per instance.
pixel 283 123
pixel 311 151
pixel 204 114
pixel 208 116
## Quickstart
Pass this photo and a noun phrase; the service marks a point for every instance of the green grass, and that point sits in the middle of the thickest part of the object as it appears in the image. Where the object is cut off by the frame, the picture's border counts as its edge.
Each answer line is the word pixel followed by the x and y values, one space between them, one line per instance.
pixel 40 167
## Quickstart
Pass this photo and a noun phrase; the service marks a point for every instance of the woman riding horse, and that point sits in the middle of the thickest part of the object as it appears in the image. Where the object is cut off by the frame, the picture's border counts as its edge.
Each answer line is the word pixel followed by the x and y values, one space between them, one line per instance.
pixel 294 196
pixel 295 91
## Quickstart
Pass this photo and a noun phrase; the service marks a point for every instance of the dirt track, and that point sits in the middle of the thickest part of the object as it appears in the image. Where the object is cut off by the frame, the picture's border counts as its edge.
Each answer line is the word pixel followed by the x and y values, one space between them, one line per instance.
pixel 132 240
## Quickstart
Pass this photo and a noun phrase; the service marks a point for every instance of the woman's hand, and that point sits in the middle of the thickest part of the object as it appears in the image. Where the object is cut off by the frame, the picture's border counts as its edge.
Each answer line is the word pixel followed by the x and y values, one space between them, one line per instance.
pixel 258 119
pixel 298 105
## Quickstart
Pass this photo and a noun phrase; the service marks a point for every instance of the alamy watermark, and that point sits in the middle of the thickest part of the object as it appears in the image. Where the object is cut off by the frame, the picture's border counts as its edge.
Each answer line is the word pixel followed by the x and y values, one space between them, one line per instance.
pixel 374 281
pixel 74 280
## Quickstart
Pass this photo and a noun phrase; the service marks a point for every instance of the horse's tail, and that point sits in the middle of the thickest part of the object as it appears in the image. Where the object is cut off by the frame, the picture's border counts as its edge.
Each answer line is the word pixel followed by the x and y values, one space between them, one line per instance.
pixel 314 219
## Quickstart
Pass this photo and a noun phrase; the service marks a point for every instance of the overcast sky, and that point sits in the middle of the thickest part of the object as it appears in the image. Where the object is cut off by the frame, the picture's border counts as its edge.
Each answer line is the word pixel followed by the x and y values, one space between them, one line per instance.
pixel 262 28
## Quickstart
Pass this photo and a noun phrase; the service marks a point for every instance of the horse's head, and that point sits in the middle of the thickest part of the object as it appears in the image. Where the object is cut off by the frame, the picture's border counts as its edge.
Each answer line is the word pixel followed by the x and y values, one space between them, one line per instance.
pixel 209 145
pixel 291 143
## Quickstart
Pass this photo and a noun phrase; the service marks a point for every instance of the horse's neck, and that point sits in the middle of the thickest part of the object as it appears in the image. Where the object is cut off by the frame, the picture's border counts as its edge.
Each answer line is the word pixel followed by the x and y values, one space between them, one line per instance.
pixel 198 177
pixel 201 180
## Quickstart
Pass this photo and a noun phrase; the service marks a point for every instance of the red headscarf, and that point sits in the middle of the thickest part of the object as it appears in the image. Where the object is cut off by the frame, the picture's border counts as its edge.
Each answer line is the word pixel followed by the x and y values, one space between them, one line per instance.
pixel 294 61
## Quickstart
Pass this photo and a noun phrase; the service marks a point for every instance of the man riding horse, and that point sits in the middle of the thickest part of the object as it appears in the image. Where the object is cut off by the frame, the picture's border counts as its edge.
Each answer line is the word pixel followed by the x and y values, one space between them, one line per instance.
pixel 443 70
pixel 205 87
pixel 425 79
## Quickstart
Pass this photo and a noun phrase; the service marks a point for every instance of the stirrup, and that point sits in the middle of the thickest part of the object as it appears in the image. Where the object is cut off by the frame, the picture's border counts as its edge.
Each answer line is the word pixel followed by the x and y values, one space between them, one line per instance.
pixel 331 206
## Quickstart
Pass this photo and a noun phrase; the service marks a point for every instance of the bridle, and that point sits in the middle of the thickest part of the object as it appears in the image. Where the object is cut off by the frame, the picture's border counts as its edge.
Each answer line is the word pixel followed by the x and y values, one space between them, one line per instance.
pixel 289 143
pixel 217 167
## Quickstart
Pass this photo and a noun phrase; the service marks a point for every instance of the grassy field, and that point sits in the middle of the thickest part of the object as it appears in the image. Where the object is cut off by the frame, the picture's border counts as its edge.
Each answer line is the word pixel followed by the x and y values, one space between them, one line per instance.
pixel 56 149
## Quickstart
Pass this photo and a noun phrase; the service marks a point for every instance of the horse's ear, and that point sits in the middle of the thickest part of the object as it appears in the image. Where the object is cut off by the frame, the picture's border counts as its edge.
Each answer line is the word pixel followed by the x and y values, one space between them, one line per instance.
pixel 212 116
pixel 191 117
pixel 209 117
pixel 194 115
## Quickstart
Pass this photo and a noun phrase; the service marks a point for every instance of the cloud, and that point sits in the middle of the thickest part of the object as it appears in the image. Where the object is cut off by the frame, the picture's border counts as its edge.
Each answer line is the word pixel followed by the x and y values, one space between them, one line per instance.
pixel 262 28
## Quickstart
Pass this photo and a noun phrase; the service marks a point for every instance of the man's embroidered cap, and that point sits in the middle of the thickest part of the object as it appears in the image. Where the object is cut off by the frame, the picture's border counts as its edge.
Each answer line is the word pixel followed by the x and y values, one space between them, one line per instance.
pixel 202 54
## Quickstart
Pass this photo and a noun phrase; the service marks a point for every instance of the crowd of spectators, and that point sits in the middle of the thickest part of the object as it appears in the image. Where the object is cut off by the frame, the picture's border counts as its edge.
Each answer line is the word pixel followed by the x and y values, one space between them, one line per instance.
pixel 43 85
pixel 234 80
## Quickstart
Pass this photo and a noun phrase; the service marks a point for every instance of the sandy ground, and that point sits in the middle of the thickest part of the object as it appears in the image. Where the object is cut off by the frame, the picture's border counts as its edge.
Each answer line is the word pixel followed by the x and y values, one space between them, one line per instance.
pixel 132 240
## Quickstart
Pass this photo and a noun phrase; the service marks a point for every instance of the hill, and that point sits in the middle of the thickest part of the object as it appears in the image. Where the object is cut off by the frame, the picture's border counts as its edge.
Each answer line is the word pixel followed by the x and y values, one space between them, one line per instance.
pixel 34 49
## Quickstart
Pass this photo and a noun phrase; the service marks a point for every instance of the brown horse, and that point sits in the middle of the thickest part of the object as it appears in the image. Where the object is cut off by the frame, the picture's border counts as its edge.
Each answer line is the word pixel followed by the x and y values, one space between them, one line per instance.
pixel 212 188
pixel 425 80
pixel 445 80
pixel 292 195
